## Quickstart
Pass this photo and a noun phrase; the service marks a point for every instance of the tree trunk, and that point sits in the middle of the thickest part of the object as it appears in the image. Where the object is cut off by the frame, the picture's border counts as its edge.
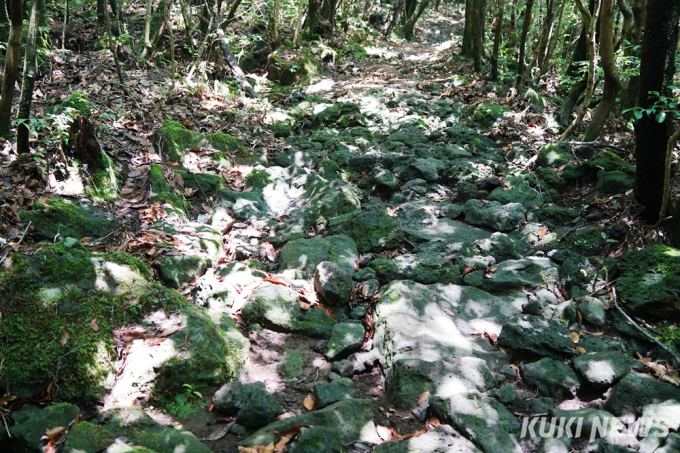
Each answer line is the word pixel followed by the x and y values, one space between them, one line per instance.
pixel 114 52
pixel 16 16
pixel 298 22
pixel 651 138
pixel 580 54
pixel 395 14
pixel 512 26
pixel 541 54
pixel 612 83
pixel 30 68
pixel 411 22
pixel 67 19
pixel 498 37
pixel 101 10
pixel 630 90
pixel 231 61
pixel 168 4
pixel 147 28
pixel 312 17
pixel 590 23
pixel 523 39
pixel 473 32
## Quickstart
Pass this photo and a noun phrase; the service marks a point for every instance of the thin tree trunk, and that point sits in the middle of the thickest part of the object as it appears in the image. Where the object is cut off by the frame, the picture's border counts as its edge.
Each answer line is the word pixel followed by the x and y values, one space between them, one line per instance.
pixel 67 19
pixel 30 68
pixel 395 14
pixel 498 37
pixel 590 21
pixel 411 22
pixel 473 33
pixel 274 28
pixel 612 83
pixel 651 137
pixel 543 39
pixel 168 6
pixel 186 16
pixel 545 65
pixel 147 28
pixel 231 61
pixel 523 39
pixel 16 16
pixel 114 52
pixel 298 22
pixel 232 10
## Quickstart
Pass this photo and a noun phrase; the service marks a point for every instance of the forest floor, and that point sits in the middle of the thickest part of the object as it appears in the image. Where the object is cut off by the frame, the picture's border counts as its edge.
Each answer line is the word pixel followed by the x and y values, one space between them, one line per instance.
pixel 421 146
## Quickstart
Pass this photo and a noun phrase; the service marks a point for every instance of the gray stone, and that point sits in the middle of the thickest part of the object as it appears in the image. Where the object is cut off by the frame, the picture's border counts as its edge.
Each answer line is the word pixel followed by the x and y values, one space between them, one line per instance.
pixel 177 271
pixel 536 335
pixel 382 181
pixel 278 307
pixel 519 192
pixel 87 437
pixel 590 419
pixel 327 394
pixel 501 246
pixel 608 161
pixel 427 169
pixel 506 394
pixel 493 214
pixel 487 114
pixel 593 311
pixel 350 420
pixel 603 369
pixel 551 377
pixel 333 283
pixel 421 222
pixel 251 403
pixel 442 439
pixel 346 338
pixel 530 272
pixel 637 390
pixel 666 414
pixel 292 364
pixel 483 419
pixel 672 444
pixel 373 230
pixel 245 205
pixel 306 254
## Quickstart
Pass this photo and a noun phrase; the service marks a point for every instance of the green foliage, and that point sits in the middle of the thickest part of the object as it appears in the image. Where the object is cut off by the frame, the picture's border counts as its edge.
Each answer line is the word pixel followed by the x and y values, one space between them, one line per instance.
pixel 186 404
pixel 663 105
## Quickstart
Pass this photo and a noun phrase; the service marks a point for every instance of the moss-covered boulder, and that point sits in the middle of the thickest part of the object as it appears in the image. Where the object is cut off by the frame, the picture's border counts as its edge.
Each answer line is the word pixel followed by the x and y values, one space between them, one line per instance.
pixel 425 268
pixel 613 182
pixel 78 299
pixel 608 161
pixel 281 129
pixel 87 437
pixel 32 422
pixel 288 68
pixel 278 308
pixel 139 429
pixel 341 115
pixel 650 281
pixel 373 230
pixel 177 140
pixel 555 154
pixel 254 406
pixel 517 191
pixel 206 183
pixel 306 254
pixel 59 217
pixel 172 199
pixel 177 271
pixel 487 114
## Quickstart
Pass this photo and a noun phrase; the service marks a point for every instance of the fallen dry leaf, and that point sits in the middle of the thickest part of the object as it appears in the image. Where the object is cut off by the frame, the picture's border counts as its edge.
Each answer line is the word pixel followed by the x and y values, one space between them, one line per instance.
pixel 449 312
pixel 387 433
pixel 423 396
pixel 308 403
pixel 94 325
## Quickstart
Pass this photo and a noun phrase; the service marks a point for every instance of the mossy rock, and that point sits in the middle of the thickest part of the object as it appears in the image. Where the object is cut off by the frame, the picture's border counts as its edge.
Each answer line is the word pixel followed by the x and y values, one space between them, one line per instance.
pixel 78 299
pixel 555 155
pixel 292 364
pixel 426 268
pixel 178 139
pixel 608 161
pixel 287 68
pixel 373 230
pixel 206 183
pixel 341 115
pixel 68 218
pixel 650 281
pixel 31 423
pixel 161 191
pixel 87 437
pixel 258 179
pixel 487 114
pixel 281 129
pixel 209 354
pixel 613 182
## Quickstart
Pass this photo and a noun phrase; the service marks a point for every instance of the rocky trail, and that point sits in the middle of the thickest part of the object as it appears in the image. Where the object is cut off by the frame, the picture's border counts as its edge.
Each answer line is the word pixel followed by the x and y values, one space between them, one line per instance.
pixel 391 260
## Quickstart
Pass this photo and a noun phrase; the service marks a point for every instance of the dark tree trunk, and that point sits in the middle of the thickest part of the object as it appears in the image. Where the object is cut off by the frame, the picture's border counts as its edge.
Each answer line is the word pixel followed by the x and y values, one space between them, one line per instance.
pixel 523 38
pixel 232 62
pixel 656 65
pixel 30 68
pixel 473 33
pixel 498 37
pixel 101 10
pixel 12 57
pixel 312 17
pixel 580 54
pixel 411 22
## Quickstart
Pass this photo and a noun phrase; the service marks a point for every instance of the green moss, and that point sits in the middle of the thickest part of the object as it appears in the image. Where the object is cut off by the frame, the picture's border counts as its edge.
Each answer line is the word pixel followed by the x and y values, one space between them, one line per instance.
pixel 258 179
pixel 293 362
pixel 162 192
pixel 129 260
pixel 67 218
pixel 66 338
pixel 281 129
pixel 207 183
pixel 177 138
pixel 78 100
pixel 222 142
pixel 100 187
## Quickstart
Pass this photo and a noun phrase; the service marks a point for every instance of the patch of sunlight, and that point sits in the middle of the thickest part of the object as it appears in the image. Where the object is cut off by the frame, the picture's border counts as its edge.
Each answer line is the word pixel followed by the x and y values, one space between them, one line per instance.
pixel 181 448
pixel 381 52
pixel 444 46
pixel 672 252
pixel 320 108
pixel 369 434
pixel 71 186
pixel 115 277
pixel 324 85
pixel 278 116
pixel 601 369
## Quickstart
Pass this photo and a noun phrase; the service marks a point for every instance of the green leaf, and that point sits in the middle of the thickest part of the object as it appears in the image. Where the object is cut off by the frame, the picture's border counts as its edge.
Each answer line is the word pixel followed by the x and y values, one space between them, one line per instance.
pixel 637 114
pixel 660 117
